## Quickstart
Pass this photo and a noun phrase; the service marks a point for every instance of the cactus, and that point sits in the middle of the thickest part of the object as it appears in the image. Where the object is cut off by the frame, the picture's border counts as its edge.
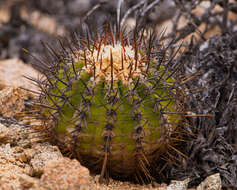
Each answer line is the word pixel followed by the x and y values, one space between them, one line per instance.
pixel 113 102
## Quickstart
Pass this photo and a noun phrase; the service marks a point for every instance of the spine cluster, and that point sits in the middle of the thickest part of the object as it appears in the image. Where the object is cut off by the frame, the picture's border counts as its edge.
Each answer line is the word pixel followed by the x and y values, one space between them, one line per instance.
pixel 113 102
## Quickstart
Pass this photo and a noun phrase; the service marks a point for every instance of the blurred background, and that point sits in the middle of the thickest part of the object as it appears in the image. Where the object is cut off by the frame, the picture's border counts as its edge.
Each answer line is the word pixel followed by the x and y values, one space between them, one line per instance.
pixel 206 30
pixel 24 23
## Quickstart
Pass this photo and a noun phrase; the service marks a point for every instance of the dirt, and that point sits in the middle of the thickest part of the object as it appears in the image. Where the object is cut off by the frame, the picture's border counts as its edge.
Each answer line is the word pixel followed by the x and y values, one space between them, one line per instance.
pixel 27 161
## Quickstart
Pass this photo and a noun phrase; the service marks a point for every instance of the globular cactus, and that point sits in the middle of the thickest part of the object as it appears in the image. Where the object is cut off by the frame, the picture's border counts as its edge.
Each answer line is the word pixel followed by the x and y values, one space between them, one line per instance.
pixel 113 102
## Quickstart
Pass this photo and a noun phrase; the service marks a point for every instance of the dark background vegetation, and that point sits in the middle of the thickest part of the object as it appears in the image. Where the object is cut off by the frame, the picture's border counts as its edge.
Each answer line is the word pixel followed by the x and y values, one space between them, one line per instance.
pixel 213 147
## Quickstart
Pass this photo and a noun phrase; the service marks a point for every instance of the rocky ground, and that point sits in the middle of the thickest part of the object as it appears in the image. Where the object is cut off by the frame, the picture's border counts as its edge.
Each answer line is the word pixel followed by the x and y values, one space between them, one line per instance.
pixel 28 161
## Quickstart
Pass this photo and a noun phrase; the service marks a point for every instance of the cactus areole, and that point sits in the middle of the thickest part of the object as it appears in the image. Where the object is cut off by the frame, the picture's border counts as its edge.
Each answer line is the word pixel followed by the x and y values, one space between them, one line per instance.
pixel 112 102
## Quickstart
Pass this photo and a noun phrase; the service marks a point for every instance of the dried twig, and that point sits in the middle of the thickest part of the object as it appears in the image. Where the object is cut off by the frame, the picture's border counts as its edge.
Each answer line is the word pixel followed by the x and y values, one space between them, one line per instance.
pixel 118 11
pixel 149 7
pixel 93 9
pixel 129 11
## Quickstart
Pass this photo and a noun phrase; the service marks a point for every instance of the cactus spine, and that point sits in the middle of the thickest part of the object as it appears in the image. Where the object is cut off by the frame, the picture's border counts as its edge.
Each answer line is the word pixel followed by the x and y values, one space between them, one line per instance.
pixel 113 102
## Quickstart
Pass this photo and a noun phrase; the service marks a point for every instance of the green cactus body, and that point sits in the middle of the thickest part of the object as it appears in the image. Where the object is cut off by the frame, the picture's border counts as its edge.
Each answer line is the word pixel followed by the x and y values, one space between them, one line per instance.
pixel 121 123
